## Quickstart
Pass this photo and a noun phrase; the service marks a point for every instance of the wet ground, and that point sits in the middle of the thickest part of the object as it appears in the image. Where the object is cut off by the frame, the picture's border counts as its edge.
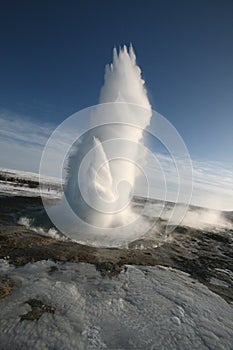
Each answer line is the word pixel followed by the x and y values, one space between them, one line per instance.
pixel 206 256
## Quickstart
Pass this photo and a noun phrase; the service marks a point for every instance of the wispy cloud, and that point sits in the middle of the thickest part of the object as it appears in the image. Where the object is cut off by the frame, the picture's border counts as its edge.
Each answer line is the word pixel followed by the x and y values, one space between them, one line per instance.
pixel 213 184
pixel 212 181
pixel 23 130
pixel 22 141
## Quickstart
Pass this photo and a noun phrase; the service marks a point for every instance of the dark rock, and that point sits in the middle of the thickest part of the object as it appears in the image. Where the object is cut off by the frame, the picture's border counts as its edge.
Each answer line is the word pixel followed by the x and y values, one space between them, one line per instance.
pixel 196 252
pixel 52 269
pixel 38 309
pixel 6 286
pixel 109 269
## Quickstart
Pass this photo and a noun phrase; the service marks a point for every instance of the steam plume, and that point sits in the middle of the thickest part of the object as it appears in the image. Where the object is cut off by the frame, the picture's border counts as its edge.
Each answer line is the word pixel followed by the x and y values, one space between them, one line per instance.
pixel 102 169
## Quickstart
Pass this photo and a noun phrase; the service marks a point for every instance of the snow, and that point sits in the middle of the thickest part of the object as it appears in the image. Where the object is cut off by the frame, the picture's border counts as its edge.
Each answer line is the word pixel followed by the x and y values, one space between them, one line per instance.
pixel 142 308
pixel 218 282
pixel 27 191
pixel 28 175
pixel 49 188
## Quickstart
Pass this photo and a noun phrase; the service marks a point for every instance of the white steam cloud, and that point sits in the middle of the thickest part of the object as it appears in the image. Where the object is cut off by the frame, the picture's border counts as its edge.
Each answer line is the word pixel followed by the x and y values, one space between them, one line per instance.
pixel 103 167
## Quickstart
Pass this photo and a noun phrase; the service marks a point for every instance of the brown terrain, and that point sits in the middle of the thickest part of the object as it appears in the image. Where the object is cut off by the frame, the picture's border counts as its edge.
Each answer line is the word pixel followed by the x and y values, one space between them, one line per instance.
pixel 201 254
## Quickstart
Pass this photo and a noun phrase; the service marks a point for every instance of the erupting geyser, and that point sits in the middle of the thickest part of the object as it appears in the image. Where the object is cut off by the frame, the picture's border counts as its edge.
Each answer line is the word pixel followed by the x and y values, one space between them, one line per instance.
pixel 103 149
pixel 103 166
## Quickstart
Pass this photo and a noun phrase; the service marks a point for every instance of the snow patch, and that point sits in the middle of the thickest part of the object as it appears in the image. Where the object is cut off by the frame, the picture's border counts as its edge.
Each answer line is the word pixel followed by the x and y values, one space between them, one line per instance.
pixel 142 308
pixel 218 282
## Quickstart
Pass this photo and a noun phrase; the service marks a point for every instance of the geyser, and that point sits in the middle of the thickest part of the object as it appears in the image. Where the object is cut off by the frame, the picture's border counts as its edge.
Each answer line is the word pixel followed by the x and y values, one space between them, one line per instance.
pixel 103 149
pixel 103 165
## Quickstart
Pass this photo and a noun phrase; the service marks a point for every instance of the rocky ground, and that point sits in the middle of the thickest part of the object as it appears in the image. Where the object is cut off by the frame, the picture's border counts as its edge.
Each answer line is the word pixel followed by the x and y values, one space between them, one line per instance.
pixel 206 256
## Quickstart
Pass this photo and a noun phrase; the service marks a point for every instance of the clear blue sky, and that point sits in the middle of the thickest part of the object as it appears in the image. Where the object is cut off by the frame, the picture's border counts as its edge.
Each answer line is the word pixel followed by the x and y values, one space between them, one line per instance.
pixel 53 55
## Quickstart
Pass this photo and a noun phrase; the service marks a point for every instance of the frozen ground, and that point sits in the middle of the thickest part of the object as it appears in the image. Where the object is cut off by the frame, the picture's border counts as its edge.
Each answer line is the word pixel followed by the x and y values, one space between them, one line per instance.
pixel 142 308
pixel 68 303
pixel 27 184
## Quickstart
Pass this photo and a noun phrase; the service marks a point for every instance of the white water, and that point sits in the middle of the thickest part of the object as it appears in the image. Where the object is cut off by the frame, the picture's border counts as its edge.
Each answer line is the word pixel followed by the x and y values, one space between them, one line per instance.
pixel 102 169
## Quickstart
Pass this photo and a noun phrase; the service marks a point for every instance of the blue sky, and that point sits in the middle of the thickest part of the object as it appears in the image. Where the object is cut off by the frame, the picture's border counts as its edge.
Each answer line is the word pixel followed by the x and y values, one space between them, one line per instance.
pixel 52 62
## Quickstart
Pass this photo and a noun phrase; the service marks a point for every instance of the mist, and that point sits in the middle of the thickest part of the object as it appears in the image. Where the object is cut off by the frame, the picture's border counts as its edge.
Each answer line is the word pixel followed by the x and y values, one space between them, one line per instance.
pixel 103 167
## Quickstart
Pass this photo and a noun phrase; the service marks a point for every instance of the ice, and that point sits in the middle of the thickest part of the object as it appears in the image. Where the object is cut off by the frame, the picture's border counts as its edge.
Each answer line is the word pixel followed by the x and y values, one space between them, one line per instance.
pixel 16 182
pixel 218 282
pixel 142 308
